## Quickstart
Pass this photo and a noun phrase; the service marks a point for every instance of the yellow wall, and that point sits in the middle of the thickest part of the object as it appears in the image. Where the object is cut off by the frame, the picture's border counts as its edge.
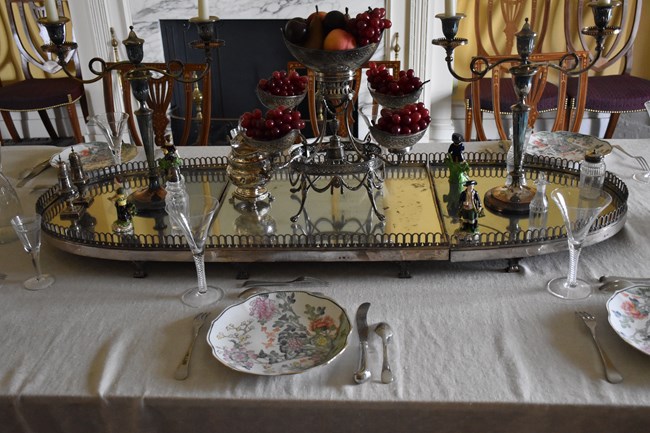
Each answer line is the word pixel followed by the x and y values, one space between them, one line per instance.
pixel 8 55
pixel 554 39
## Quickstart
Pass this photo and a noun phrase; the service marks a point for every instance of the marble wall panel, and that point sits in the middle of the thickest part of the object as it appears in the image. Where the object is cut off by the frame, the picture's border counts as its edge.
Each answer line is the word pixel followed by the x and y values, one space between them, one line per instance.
pixel 147 13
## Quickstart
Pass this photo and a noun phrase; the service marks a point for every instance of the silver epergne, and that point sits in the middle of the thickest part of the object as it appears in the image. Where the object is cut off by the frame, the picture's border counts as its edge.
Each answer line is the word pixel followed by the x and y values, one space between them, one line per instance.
pixel 516 197
pixel 151 198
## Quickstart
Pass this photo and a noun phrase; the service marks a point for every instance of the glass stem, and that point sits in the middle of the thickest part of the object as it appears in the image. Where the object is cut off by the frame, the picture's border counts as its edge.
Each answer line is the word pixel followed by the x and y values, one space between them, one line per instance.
pixel 199 261
pixel 35 255
pixel 574 256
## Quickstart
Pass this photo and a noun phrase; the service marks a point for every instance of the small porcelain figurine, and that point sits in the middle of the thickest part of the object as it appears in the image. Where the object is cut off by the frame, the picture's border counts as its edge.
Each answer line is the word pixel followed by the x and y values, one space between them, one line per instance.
pixel 470 208
pixel 458 167
pixel 170 163
pixel 125 212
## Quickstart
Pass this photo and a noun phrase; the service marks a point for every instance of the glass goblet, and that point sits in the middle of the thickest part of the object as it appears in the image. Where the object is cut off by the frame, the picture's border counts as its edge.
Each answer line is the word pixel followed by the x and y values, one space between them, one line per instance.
pixel 193 215
pixel 28 229
pixel 579 209
pixel 112 125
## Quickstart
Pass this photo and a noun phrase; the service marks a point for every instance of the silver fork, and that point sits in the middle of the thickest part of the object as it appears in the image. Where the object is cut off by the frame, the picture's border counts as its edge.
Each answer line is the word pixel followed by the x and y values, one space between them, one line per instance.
pixel 183 369
pixel 641 160
pixel 611 373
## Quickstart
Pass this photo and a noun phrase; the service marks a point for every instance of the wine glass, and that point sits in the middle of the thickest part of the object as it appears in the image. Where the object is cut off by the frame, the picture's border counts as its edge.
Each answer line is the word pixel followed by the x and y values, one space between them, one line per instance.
pixel 194 215
pixel 112 125
pixel 579 209
pixel 643 176
pixel 28 229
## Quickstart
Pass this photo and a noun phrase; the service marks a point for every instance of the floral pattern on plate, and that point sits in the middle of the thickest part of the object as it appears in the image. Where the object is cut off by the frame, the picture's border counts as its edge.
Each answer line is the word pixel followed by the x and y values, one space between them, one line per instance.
pixel 279 333
pixel 629 314
pixel 94 155
pixel 565 145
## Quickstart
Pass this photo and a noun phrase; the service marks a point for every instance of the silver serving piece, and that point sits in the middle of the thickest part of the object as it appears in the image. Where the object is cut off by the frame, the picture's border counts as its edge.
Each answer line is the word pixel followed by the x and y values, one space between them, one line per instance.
pixel 384 330
pixel 611 373
pixel 516 197
pixel 183 370
pixel 362 374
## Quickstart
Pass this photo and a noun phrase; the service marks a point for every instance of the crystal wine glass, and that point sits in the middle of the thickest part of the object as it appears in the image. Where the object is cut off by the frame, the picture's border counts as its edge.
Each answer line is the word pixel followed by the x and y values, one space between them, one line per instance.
pixel 194 215
pixel 28 229
pixel 579 209
pixel 643 176
pixel 112 125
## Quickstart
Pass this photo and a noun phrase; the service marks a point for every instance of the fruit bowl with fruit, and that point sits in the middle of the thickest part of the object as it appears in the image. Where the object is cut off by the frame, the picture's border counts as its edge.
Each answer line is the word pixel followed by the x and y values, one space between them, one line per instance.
pixel 333 42
pixel 282 89
pixel 390 92
pixel 398 130
pixel 274 132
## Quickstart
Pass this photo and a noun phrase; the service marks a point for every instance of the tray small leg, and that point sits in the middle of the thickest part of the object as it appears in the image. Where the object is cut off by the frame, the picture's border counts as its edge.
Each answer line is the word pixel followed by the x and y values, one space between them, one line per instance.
pixel 140 269
pixel 404 270
pixel 513 265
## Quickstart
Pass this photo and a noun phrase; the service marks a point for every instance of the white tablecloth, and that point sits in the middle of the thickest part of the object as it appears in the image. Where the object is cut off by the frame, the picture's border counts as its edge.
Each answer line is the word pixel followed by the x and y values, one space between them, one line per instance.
pixel 476 349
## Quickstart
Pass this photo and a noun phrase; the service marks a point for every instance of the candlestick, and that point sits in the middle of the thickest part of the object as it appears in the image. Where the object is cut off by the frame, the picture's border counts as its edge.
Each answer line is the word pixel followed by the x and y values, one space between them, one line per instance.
pixel 51 12
pixel 204 10
pixel 450 8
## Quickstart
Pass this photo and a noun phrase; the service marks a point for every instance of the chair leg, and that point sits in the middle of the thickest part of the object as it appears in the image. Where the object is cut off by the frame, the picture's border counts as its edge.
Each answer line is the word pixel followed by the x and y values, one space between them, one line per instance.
pixel 6 116
pixel 611 126
pixel 48 124
pixel 74 122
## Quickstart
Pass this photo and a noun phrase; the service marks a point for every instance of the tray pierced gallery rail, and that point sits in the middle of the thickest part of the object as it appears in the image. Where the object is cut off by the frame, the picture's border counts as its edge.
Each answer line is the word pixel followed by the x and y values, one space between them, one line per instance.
pixel 415 197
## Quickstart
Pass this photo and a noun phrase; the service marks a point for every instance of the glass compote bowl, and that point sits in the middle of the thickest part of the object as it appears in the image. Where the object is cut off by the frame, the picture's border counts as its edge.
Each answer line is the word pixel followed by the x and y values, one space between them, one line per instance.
pixel 112 125
pixel 579 209
pixel 193 214
pixel 28 229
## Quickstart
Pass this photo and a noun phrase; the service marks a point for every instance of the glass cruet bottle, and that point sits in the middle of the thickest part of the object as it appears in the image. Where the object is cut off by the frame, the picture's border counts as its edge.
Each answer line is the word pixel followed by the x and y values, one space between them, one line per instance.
pixel 538 212
pixel 9 207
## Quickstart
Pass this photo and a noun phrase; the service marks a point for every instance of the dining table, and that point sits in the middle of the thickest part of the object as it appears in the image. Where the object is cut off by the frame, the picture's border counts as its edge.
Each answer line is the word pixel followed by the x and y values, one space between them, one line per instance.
pixel 475 349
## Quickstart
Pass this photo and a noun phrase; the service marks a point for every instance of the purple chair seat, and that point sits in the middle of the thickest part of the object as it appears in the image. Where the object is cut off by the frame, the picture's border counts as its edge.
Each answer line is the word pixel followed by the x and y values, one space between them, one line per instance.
pixel 547 102
pixel 613 93
pixel 39 94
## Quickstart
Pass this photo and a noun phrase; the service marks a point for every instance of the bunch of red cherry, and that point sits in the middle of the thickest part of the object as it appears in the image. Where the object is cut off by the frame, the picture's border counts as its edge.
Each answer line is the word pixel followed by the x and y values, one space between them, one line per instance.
pixel 368 26
pixel 282 83
pixel 382 81
pixel 407 120
pixel 277 123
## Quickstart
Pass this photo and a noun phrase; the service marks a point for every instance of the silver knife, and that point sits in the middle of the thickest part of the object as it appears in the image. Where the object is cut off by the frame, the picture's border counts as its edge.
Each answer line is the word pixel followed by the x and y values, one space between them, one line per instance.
pixel 363 374
pixel 38 169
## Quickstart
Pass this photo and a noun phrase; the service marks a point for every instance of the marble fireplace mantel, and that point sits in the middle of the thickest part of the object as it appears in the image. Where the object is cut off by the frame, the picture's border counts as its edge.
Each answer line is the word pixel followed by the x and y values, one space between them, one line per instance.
pixel 413 20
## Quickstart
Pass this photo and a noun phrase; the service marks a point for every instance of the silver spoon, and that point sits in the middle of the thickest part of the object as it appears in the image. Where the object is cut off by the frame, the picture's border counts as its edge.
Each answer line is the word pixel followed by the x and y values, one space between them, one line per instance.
pixel 615 285
pixel 384 330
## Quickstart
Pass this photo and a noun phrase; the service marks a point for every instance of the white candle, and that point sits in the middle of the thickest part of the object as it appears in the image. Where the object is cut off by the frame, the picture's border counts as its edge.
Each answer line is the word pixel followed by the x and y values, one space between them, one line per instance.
pixel 204 12
pixel 51 12
pixel 450 8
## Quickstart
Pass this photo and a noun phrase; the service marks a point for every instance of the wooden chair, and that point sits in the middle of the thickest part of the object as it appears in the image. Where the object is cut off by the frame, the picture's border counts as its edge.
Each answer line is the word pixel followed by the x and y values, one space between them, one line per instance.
pixel 556 98
pixel 502 19
pixel 316 113
pixel 161 89
pixel 616 93
pixel 40 90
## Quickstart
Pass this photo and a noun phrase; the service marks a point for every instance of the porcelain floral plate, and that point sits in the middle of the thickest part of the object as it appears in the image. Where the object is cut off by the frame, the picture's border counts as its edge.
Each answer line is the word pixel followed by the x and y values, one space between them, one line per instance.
pixel 278 333
pixel 629 314
pixel 565 145
pixel 94 155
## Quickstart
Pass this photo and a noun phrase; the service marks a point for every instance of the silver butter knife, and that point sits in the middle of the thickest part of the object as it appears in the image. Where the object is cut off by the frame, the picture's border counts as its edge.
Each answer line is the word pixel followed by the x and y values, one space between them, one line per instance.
pixel 38 169
pixel 362 374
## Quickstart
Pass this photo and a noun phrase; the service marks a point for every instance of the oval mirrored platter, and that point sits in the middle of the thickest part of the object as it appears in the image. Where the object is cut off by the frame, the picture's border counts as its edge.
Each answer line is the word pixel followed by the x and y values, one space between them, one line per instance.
pixel 94 155
pixel 628 312
pixel 565 145
pixel 278 333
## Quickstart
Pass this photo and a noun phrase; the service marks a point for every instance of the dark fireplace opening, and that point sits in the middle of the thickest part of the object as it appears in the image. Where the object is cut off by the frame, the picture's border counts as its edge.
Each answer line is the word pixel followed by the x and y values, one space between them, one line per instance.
pixel 253 50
